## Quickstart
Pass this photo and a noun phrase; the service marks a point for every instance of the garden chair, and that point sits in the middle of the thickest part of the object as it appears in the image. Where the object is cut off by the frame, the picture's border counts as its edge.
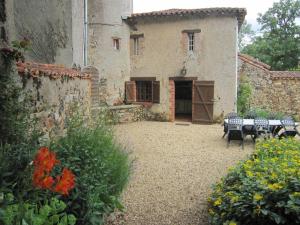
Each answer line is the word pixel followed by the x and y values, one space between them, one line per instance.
pixel 235 130
pixel 288 128
pixel 261 128
pixel 228 116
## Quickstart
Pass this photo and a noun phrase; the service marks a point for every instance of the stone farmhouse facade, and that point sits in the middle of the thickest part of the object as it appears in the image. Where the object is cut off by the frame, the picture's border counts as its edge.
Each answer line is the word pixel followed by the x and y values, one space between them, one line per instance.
pixel 177 63
pixel 186 60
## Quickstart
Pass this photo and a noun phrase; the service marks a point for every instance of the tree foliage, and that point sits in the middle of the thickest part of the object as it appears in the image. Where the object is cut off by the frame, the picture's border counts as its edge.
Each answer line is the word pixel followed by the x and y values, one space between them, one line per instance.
pixel 246 35
pixel 279 44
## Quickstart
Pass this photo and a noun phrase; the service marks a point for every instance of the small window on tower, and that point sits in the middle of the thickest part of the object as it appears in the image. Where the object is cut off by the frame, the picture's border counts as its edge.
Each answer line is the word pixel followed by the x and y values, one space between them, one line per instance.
pixel 116 42
pixel 136 46
pixel 191 41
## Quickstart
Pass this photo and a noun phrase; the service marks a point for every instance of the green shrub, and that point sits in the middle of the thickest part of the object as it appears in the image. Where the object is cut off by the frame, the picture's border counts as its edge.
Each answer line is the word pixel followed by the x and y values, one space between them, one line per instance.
pixel 101 168
pixel 257 112
pixel 51 213
pixel 263 190
pixel 243 95
pixel 19 137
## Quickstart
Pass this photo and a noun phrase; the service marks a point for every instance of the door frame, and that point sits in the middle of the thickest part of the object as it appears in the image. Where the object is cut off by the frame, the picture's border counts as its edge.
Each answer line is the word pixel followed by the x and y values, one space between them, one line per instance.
pixel 172 94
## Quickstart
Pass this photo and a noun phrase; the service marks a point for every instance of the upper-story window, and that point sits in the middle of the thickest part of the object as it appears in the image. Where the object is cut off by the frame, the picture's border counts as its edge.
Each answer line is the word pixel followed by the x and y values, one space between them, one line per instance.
pixel 136 46
pixel 116 43
pixel 191 43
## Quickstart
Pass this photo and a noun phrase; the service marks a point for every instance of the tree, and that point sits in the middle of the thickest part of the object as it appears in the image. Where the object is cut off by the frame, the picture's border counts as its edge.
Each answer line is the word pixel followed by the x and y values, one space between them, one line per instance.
pixel 279 45
pixel 246 35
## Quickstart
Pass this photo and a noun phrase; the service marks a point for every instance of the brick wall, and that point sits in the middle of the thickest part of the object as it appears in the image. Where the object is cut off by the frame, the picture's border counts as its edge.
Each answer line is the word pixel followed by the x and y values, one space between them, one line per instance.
pixel 172 100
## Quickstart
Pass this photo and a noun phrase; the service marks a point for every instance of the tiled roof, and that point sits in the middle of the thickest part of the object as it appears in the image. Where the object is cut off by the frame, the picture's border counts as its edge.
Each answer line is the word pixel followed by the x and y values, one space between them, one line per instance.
pixel 51 70
pixel 251 60
pixel 240 13
pixel 285 74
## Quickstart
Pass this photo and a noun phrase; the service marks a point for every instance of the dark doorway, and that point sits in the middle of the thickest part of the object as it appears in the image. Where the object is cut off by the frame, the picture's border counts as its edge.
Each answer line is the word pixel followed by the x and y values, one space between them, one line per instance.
pixel 183 100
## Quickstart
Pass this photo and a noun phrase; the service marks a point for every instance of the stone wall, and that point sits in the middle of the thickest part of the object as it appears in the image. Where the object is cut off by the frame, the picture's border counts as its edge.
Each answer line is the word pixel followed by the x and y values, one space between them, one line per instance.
pixel 54 92
pixel 127 113
pixel 272 90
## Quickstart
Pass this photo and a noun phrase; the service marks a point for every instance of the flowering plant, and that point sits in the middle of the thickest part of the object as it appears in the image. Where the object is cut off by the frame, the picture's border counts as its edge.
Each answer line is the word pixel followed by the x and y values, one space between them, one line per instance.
pixel 44 162
pixel 264 189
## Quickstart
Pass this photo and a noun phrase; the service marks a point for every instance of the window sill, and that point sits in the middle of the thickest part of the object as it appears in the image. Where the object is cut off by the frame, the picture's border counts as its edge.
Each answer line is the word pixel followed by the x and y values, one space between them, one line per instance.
pixel 145 104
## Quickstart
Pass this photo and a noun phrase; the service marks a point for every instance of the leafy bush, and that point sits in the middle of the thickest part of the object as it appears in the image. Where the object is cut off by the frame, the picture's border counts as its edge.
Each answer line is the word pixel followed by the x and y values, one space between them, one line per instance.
pixel 19 137
pixel 263 190
pixel 20 201
pixel 243 95
pixel 51 213
pixel 101 168
pixel 257 112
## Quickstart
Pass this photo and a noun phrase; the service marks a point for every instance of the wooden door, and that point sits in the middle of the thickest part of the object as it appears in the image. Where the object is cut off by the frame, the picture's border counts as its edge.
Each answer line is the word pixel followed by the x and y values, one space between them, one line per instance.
pixel 203 102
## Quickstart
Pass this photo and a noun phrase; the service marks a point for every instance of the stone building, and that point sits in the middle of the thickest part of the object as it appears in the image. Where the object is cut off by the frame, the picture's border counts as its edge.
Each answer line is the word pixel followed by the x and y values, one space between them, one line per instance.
pixel 184 62
pixel 178 63
pixel 276 91
pixel 54 27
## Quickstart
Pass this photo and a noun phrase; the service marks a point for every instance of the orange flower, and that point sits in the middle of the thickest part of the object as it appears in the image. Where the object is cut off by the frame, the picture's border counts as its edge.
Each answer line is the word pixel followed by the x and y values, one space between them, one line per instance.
pixel 65 182
pixel 44 162
pixel 37 177
pixel 47 182
pixel 45 159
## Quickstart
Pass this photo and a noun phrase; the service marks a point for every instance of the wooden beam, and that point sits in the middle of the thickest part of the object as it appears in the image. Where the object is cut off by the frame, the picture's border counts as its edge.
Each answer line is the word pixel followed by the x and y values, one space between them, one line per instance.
pixel 183 78
pixel 136 35
pixel 142 78
pixel 192 31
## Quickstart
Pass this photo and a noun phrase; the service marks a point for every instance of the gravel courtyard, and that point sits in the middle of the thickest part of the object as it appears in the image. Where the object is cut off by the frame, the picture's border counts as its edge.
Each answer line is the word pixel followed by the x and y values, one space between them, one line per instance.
pixel 174 166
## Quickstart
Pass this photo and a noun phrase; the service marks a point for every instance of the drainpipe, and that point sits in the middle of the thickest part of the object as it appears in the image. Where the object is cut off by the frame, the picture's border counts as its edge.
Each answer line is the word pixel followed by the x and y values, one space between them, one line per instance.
pixel 85 33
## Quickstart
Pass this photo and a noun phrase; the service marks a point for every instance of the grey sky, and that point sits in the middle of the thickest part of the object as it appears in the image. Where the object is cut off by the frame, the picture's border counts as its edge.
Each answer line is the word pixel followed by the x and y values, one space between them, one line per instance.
pixel 253 6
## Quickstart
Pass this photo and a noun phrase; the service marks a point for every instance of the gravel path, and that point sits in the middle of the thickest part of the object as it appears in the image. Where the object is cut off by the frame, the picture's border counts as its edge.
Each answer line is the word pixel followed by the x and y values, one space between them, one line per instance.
pixel 173 169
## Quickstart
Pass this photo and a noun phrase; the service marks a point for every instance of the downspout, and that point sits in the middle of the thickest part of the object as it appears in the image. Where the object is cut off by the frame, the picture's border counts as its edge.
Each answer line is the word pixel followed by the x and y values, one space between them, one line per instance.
pixel 85 34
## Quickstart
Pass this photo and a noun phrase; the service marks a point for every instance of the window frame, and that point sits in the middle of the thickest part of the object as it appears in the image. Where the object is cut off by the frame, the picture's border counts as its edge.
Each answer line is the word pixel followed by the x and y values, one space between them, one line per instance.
pixel 144 91
pixel 117 44
pixel 136 46
pixel 135 94
pixel 191 41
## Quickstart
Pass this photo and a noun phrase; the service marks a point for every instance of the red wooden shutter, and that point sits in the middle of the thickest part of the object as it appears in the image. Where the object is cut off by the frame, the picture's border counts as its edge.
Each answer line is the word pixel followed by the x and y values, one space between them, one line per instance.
pixel 155 91
pixel 130 91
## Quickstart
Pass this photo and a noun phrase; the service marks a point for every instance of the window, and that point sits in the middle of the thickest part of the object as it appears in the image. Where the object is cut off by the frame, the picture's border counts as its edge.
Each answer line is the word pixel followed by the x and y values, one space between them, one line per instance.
pixel 136 41
pixel 191 41
pixel 144 91
pixel 136 46
pixel 116 42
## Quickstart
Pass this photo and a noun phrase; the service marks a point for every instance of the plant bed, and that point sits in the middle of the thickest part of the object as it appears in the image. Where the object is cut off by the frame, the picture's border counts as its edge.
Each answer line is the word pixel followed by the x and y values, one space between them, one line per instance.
pixel 264 189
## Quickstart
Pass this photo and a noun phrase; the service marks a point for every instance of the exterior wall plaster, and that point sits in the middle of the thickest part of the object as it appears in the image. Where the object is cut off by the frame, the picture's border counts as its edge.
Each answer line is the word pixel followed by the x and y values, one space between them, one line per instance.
pixel 164 52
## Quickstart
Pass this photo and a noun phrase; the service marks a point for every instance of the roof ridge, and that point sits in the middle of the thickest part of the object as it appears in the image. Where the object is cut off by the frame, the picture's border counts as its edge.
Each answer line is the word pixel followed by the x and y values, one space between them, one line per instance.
pixel 240 13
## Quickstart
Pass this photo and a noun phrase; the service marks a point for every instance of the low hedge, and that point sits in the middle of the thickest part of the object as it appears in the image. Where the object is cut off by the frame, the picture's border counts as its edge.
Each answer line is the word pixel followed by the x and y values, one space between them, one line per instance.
pixel 264 189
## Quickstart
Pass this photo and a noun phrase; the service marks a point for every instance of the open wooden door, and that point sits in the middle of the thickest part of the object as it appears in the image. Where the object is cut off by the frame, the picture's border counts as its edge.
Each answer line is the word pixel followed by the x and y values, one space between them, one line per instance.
pixel 203 102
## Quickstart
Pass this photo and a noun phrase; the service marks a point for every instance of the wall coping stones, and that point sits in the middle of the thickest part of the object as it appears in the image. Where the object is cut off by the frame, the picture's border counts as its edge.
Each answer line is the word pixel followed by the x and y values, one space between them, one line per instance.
pixel 285 75
pixel 249 59
pixel 51 70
